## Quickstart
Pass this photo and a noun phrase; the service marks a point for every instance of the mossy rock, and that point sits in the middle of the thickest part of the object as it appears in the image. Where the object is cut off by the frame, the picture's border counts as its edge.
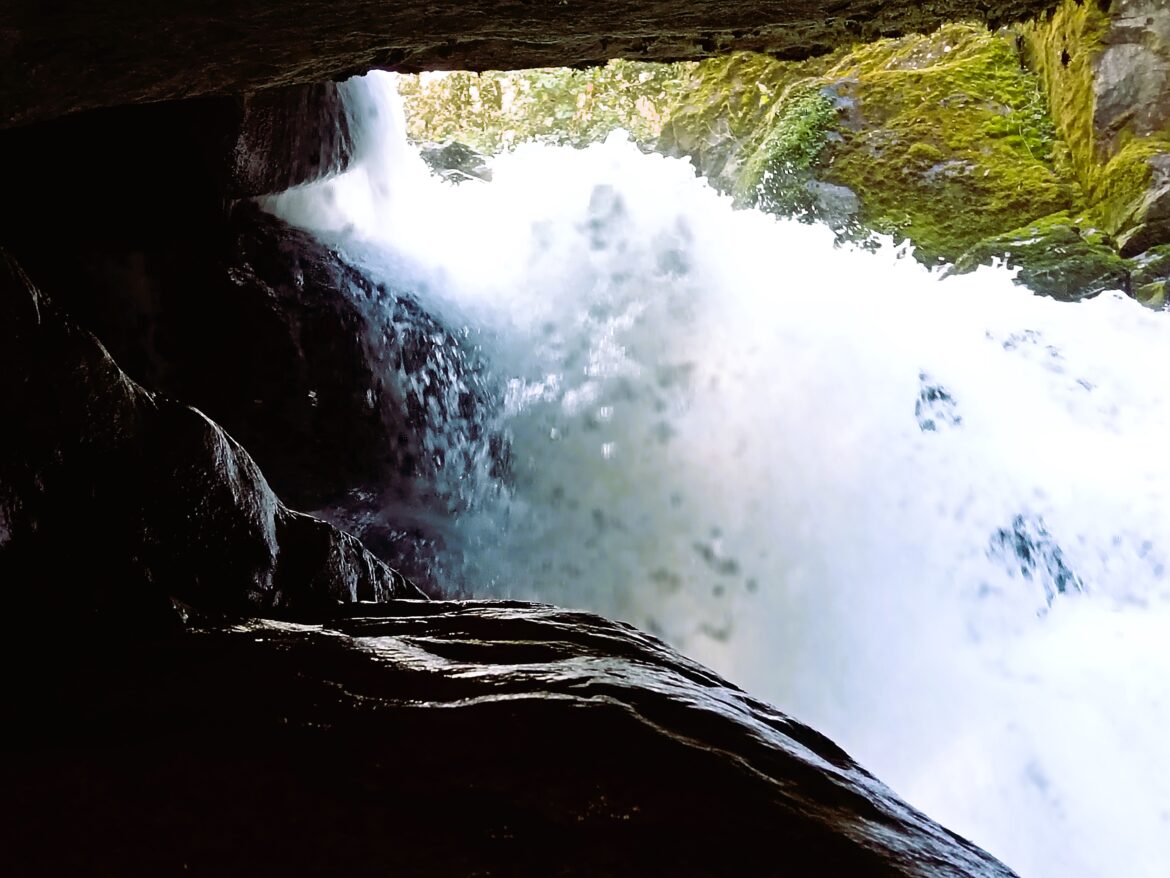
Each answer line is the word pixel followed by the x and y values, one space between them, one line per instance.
pixel 956 143
pixel 1152 295
pixel 1150 276
pixel 779 176
pixel 944 138
pixel 1119 187
pixel 1063 49
pixel 1151 266
pixel 1104 74
pixel 725 108
pixel 1057 256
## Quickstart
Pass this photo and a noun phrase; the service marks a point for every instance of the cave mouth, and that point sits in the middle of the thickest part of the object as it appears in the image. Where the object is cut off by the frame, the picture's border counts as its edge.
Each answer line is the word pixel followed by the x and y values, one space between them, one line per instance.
pixel 867 453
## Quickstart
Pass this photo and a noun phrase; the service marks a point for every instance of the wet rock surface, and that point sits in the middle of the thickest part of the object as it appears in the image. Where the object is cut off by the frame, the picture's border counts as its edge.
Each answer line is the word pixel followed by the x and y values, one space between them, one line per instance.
pixel 285 137
pixel 353 399
pixel 434 738
pixel 116 501
pixel 1057 256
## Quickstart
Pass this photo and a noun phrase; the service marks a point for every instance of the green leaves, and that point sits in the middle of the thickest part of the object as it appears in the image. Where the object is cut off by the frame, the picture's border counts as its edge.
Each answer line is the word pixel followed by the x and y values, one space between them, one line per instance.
pixel 496 111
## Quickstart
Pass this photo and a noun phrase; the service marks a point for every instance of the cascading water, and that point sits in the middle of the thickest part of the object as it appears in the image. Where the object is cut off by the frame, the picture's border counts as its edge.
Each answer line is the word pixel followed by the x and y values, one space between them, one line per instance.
pixel 925 515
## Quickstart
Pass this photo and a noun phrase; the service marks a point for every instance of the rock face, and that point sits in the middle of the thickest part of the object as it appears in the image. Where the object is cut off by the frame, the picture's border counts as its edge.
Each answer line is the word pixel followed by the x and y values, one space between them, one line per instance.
pixel 78 56
pixel 430 738
pixel 1132 72
pixel 1106 70
pixel 455 161
pixel 115 501
pixel 1057 256
pixel 284 137
pixel 940 138
pixel 354 400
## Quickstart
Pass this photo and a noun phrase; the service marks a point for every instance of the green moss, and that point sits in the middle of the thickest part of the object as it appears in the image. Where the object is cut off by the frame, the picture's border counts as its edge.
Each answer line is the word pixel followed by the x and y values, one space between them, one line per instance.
pixel 956 144
pixel 1063 49
pixel 1060 256
pixel 724 110
pixel 1110 156
pixel 944 138
pixel 1119 187
pixel 776 176
pixel 797 138
pixel 1152 295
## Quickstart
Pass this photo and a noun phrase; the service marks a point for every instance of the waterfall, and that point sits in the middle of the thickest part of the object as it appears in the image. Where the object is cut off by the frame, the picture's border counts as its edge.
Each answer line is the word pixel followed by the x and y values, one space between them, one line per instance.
pixel 924 514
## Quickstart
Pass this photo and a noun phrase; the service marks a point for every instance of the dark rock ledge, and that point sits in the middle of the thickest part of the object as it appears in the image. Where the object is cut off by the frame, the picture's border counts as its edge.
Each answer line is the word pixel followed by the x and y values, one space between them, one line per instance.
pixel 436 738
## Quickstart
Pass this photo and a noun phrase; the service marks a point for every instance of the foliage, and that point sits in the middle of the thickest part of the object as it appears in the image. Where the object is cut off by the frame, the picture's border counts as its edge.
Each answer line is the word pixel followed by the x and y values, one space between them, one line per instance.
pixel 495 111
pixel 1062 49
pixel 781 168
pixel 722 112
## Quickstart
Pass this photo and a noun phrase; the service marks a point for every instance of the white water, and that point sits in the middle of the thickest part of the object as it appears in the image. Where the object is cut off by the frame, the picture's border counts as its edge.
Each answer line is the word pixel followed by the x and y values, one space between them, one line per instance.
pixel 714 433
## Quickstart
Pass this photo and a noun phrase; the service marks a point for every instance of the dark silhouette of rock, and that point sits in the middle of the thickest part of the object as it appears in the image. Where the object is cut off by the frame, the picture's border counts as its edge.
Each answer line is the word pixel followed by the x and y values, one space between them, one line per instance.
pixel 158 172
pixel 354 400
pixel 433 738
pixel 115 500
pixel 75 55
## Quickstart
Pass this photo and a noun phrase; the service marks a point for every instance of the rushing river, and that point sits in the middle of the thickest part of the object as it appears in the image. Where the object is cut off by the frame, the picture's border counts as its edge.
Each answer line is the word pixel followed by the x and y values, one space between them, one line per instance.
pixel 929 516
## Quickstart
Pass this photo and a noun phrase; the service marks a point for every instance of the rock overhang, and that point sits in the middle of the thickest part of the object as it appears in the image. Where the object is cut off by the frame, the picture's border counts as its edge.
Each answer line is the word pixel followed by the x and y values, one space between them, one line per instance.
pixel 83 56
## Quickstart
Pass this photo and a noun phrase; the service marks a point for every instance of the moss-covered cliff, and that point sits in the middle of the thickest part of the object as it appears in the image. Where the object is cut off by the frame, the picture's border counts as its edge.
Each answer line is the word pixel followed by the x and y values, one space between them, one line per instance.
pixel 1106 70
pixel 944 138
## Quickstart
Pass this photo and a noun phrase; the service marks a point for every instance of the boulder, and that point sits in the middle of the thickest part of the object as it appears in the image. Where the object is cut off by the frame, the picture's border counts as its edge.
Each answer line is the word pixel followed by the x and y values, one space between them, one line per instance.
pixel 1147 223
pixel 1151 276
pixel 434 738
pixel 118 501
